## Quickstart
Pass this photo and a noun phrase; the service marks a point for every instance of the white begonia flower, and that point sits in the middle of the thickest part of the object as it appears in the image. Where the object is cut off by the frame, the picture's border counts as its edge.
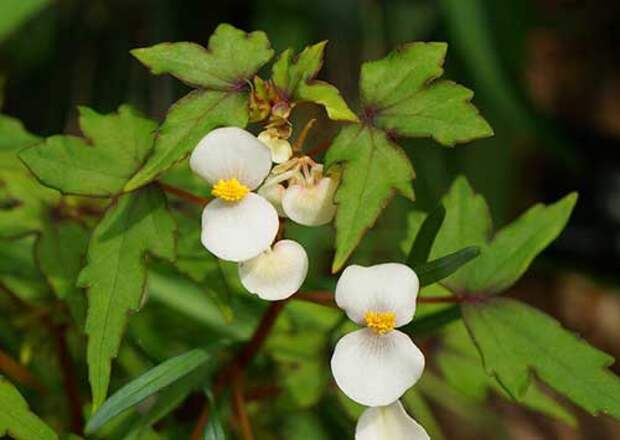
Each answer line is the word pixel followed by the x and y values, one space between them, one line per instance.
pixel 389 423
pixel 376 365
pixel 277 273
pixel 239 224
pixel 281 149
pixel 311 204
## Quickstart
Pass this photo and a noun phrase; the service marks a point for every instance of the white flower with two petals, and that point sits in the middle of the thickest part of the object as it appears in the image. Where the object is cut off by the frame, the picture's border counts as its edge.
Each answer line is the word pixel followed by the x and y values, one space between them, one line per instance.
pixel 374 366
pixel 389 423
pixel 240 225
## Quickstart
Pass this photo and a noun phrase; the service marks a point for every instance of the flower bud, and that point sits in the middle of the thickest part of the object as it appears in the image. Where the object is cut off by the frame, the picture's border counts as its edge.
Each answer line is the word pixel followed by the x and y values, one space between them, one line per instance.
pixel 281 149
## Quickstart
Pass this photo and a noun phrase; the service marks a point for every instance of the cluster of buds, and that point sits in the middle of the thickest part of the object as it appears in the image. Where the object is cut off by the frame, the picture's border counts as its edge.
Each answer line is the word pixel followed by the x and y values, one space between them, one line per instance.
pixel 268 107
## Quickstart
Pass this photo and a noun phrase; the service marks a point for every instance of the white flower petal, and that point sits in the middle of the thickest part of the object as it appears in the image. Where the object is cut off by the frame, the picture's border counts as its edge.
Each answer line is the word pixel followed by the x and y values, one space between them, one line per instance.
pixel 281 149
pixel 239 231
pixel 311 205
pixel 230 152
pixel 276 274
pixel 376 370
pixel 389 423
pixel 389 287
pixel 273 193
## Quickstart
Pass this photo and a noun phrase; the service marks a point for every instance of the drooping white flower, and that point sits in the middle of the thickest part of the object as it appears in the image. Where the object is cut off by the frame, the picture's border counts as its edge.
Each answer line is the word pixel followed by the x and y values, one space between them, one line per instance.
pixel 281 149
pixel 277 273
pixel 389 423
pixel 274 193
pixel 239 224
pixel 299 190
pixel 374 366
pixel 311 204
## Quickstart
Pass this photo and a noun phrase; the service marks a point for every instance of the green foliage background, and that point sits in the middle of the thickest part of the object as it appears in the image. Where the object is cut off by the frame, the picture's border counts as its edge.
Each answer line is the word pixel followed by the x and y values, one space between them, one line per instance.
pixel 144 375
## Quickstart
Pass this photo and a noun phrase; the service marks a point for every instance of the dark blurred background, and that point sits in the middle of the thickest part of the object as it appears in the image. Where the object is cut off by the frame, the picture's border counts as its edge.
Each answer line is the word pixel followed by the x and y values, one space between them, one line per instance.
pixel 546 75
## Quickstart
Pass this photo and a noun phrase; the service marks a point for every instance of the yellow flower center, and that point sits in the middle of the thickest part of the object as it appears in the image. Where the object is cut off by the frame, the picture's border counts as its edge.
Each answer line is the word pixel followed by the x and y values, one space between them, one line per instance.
pixel 380 322
pixel 230 190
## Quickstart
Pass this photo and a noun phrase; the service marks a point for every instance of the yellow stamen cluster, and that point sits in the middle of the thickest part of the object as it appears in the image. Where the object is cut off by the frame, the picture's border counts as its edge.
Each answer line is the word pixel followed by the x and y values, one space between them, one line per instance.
pixel 230 190
pixel 380 322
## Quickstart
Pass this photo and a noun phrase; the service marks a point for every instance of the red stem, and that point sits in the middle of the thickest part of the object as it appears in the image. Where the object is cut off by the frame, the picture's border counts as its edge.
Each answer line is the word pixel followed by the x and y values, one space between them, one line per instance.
pixel 72 390
pixel 240 362
pixel 182 194
pixel 327 298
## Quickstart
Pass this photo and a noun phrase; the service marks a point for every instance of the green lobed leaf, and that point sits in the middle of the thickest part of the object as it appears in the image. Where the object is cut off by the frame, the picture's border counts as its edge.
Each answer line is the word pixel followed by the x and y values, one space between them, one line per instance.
pixel 17 420
pixel 231 58
pixel 221 72
pixel 374 169
pixel 115 275
pixel 15 12
pixel 146 385
pixel 461 366
pixel 516 340
pixel 400 94
pixel 514 247
pixel 187 121
pixel 294 79
pixel 506 256
pixel 60 251
pixel 120 143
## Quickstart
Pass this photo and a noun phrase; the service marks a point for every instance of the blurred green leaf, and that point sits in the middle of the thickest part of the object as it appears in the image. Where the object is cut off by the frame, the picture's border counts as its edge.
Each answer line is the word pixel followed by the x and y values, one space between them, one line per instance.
pixel 16 419
pixel 201 266
pixel 420 410
pixel 188 299
pixel 23 202
pixel 295 79
pixel 220 72
pixel 374 169
pixel 437 270
pixel 425 237
pixel 115 275
pixel 60 252
pixel 214 429
pixel 303 426
pixel 19 272
pixel 146 385
pixel 121 141
pixel 15 12
pixel 299 344
pixel 399 95
pixel 516 340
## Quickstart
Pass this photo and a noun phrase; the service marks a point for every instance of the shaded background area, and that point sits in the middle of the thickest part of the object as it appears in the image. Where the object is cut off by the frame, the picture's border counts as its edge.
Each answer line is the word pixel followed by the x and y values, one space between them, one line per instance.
pixel 546 75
